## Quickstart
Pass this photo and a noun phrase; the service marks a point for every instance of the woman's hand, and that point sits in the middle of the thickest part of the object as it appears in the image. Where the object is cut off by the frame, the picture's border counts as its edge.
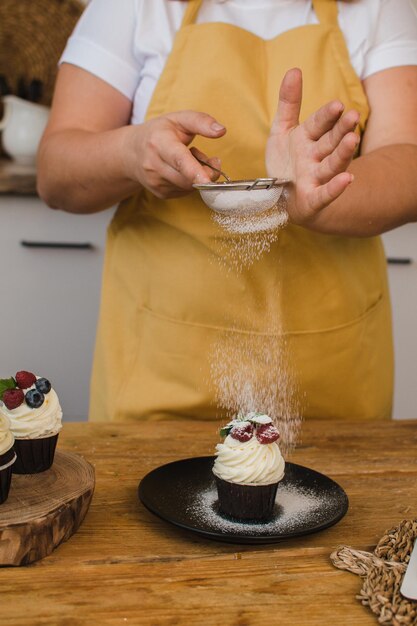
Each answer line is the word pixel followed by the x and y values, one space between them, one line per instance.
pixel 314 155
pixel 91 157
pixel 158 158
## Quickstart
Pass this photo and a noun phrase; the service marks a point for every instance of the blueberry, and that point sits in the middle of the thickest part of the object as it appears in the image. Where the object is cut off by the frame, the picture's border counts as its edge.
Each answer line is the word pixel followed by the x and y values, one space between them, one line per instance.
pixel 43 385
pixel 34 398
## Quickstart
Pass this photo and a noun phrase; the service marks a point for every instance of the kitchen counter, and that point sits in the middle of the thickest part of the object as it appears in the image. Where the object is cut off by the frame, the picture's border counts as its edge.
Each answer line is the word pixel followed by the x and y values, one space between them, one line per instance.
pixel 16 178
pixel 125 566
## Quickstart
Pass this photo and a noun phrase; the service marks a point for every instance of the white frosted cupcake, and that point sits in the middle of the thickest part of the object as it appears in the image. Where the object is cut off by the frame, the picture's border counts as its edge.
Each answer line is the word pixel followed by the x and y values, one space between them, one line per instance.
pixel 33 409
pixel 248 468
pixel 7 457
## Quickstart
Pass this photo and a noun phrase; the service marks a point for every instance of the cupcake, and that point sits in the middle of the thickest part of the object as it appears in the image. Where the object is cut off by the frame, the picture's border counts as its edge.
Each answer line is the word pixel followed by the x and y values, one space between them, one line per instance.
pixel 35 415
pixel 7 457
pixel 248 468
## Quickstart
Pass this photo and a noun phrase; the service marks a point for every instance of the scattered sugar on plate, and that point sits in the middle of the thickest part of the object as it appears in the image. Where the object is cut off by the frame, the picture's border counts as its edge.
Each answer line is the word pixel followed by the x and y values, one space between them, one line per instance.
pixel 296 509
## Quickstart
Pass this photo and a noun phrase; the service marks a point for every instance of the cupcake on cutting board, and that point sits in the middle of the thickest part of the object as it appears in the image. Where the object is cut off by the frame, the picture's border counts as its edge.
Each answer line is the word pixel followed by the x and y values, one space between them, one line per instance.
pixel 32 407
pixel 248 468
pixel 7 457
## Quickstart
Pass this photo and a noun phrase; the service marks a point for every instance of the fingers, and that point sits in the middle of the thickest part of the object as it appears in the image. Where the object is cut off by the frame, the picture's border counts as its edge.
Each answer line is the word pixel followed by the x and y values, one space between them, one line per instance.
pixel 173 181
pixel 323 120
pixel 330 140
pixel 289 103
pixel 180 159
pixel 214 161
pixel 165 165
pixel 192 123
pixel 339 160
pixel 169 183
pixel 325 194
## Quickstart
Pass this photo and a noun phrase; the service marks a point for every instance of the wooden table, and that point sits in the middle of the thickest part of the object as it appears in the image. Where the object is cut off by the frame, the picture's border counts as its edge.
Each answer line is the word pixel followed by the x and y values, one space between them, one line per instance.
pixel 125 566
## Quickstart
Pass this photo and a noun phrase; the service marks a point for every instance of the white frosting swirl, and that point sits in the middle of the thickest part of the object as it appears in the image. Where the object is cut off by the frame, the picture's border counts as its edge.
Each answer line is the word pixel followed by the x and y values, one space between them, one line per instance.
pixel 28 423
pixel 248 462
pixel 6 435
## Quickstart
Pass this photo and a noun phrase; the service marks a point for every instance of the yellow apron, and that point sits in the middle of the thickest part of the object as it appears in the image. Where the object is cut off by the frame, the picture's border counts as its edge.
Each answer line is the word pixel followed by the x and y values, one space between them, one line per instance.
pixel 167 298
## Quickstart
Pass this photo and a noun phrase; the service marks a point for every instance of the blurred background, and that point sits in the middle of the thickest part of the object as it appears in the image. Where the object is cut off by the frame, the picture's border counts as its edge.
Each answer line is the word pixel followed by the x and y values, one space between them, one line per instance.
pixel 51 261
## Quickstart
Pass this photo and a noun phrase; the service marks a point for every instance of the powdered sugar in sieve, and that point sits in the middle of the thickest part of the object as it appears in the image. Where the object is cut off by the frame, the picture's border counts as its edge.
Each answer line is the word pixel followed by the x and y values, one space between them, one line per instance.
pixel 246 206
pixel 240 205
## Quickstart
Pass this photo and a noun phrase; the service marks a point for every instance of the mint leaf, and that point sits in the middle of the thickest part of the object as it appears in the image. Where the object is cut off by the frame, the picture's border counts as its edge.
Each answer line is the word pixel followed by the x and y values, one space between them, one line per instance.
pixel 225 431
pixel 6 383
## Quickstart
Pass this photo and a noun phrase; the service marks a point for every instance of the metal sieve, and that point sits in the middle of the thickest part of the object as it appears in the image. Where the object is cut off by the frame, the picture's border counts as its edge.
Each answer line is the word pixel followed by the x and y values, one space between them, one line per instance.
pixel 241 197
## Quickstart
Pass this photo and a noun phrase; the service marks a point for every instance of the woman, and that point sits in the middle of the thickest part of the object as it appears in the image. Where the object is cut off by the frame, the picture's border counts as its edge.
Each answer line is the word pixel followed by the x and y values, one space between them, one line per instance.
pixel 192 72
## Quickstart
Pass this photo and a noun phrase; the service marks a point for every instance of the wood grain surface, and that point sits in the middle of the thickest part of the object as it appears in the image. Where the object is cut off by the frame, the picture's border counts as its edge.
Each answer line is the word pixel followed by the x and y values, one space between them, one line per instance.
pixel 44 509
pixel 125 566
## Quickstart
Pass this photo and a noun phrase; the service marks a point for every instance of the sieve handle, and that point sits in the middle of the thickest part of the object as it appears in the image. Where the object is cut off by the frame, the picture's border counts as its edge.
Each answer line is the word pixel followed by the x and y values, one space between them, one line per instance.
pixel 262 183
pixel 212 168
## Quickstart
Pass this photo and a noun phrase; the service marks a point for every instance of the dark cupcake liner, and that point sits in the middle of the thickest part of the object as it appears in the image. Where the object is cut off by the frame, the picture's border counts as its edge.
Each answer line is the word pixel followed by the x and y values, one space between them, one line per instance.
pixel 6 463
pixel 246 502
pixel 34 455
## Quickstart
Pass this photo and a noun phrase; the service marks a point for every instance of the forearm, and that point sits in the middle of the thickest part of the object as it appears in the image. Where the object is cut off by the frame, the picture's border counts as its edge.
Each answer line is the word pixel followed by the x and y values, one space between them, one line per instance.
pixel 85 172
pixel 382 196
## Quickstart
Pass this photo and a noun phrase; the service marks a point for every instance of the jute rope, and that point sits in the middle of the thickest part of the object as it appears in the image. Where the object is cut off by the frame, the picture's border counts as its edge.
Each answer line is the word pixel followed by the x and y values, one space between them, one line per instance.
pixel 33 34
pixel 382 572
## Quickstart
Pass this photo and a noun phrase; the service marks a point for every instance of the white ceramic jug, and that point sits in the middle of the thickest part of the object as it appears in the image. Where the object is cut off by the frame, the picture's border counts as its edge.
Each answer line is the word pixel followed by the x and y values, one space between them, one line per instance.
pixel 22 125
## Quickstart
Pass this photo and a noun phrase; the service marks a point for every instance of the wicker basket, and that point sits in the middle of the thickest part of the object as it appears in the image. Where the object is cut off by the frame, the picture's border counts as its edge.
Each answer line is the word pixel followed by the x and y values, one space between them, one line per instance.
pixel 33 34
pixel 382 572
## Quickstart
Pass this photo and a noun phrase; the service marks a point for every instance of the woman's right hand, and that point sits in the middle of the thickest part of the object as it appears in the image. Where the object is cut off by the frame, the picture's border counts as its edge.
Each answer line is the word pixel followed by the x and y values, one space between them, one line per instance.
pixel 158 158
pixel 91 157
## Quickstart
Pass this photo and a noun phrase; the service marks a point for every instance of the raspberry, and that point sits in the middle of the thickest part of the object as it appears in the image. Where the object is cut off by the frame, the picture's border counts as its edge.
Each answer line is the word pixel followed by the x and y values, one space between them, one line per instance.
pixel 13 398
pixel 243 432
pixel 25 379
pixel 267 433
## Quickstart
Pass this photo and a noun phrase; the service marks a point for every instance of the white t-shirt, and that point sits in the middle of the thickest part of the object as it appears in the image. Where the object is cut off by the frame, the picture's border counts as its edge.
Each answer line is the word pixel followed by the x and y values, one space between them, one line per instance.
pixel 126 42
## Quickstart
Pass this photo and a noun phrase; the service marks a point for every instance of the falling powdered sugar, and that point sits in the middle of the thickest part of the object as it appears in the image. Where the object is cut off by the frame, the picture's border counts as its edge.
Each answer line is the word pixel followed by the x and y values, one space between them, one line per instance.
pixel 251 366
pixel 243 251
pixel 252 373
pixel 256 231
pixel 252 223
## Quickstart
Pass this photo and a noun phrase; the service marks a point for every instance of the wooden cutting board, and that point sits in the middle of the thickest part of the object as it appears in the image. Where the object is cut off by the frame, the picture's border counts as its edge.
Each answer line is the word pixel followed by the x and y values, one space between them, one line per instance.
pixel 45 509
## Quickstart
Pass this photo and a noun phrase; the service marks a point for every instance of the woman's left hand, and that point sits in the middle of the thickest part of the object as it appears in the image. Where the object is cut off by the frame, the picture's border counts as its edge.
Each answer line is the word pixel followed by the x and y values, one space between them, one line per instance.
pixel 314 155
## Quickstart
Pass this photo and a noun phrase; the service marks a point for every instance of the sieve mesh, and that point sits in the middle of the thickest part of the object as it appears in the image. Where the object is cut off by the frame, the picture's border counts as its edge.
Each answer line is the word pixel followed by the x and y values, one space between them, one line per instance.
pixel 241 202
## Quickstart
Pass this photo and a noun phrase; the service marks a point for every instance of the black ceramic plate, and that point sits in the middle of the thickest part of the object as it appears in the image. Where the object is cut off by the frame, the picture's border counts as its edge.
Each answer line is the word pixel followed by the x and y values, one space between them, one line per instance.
pixel 184 494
